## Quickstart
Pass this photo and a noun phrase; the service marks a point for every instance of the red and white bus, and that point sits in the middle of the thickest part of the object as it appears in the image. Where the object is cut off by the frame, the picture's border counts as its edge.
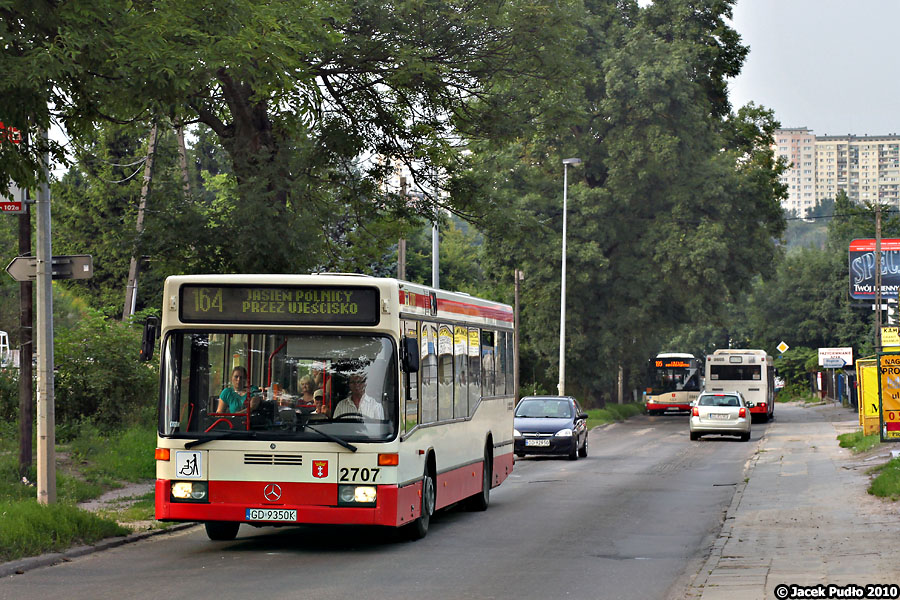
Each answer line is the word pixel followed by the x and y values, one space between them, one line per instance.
pixel 750 372
pixel 335 399
pixel 673 382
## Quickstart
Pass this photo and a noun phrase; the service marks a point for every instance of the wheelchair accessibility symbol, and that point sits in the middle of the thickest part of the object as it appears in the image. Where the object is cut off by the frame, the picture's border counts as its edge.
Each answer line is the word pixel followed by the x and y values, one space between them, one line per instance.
pixel 188 465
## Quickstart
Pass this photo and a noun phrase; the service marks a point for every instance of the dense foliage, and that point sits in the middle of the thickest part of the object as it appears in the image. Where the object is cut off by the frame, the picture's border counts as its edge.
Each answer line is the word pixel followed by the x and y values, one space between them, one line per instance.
pixel 296 113
pixel 98 376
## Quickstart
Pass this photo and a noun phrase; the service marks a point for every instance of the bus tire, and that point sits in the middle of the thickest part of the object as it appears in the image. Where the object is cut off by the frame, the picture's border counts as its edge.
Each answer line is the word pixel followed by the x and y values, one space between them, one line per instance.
pixel 419 528
pixel 221 531
pixel 480 501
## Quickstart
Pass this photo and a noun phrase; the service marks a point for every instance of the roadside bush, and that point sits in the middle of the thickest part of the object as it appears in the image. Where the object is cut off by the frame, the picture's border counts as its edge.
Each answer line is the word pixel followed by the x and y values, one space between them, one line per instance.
pixel 99 376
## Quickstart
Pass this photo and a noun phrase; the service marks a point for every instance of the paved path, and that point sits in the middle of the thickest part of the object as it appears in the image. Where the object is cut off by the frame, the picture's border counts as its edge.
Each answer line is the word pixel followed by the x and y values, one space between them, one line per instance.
pixel 803 517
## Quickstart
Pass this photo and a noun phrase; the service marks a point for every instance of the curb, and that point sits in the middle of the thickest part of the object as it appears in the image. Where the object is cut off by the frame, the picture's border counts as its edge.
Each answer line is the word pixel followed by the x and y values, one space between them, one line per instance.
pixel 18 567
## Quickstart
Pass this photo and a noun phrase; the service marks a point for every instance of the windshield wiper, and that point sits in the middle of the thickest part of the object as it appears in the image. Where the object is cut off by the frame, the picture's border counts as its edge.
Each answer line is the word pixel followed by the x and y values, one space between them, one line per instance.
pixel 219 436
pixel 330 437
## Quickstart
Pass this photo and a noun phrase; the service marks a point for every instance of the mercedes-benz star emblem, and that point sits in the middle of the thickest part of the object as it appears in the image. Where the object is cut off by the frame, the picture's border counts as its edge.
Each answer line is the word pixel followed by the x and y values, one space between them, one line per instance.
pixel 272 492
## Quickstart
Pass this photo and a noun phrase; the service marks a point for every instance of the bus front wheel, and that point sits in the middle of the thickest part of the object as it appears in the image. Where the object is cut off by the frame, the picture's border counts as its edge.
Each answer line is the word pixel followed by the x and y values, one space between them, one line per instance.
pixel 221 531
pixel 419 527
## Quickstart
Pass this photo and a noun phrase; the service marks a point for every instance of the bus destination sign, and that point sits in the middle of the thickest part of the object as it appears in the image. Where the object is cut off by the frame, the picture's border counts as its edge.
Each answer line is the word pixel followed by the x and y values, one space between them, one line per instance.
pixel 279 305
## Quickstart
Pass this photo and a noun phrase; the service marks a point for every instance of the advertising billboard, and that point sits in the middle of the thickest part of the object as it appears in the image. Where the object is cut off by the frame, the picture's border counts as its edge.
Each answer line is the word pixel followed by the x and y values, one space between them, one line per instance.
pixel 862 268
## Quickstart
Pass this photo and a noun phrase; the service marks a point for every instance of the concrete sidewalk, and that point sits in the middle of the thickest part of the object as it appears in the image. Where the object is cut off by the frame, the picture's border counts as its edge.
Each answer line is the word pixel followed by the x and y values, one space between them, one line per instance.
pixel 803 516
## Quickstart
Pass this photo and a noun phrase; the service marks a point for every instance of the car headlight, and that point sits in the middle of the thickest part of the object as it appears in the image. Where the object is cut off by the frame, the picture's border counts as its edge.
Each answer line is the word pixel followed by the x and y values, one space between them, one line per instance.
pixel 190 491
pixel 564 433
pixel 356 495
pixel 516 433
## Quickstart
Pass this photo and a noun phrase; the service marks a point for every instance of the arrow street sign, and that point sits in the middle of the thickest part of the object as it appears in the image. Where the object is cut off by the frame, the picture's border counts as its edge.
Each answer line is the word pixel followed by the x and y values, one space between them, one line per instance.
pixel 833 362
pixel 76 266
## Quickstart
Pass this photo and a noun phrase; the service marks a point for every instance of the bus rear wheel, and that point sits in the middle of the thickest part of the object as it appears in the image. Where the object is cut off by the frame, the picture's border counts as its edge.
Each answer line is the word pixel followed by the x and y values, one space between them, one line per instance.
pixel 221 531
pixel 481 500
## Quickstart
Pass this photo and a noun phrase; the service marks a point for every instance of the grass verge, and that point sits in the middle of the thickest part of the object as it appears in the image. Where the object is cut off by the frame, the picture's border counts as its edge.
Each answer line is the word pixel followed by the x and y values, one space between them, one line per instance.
pixel 29 529
pixel 612 413
pixel 887 483
pixel 90 461
pixel 857 442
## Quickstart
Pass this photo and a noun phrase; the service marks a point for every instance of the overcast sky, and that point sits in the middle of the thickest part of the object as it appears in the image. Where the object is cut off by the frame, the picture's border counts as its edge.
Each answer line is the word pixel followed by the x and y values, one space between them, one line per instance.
pixel 830 65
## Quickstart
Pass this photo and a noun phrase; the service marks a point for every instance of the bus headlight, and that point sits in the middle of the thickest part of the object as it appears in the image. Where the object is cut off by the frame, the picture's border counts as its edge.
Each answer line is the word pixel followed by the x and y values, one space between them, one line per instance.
pixel 564 433
pixel 190 491
pixel 356 495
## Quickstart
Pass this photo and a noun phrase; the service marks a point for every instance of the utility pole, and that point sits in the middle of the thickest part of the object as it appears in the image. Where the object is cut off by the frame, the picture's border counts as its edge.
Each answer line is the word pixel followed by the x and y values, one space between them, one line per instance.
pixel 134 266
pixel 26 350
pixel 518 276
pixel 878 278
pixel 46 418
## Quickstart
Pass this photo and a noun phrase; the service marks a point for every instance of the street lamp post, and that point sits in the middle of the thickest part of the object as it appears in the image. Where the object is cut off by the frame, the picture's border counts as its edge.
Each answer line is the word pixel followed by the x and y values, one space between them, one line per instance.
pixel 562 299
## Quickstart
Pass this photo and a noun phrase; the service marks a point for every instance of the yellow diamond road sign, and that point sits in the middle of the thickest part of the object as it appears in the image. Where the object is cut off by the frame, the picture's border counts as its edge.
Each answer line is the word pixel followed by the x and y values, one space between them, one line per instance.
pixel 782 347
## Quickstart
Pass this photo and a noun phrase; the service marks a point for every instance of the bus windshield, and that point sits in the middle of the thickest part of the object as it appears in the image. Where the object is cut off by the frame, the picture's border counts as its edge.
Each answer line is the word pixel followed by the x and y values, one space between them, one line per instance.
pixel 674 379
pixel 276 385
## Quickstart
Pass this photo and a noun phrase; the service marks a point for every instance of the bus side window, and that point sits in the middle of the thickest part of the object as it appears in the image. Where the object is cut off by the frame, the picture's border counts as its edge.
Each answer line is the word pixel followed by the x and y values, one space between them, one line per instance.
pixel 474 370
pixel 410 383
pixel 445 373
pixel 487 362
pixel 460 354
pixel 428 367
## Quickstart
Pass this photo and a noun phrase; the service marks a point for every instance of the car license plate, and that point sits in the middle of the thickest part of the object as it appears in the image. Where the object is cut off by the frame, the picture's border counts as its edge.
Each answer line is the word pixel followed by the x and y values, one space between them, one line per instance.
pixel 721 416
pixel 271 514
pixel 537 442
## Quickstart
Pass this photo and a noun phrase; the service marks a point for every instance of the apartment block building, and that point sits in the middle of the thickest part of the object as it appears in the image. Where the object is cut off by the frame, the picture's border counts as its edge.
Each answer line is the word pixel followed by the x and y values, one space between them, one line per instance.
pixel 866 167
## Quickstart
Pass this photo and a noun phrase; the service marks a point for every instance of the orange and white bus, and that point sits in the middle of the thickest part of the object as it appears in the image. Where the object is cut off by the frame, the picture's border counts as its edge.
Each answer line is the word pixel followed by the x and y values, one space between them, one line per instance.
pixel 750 372
pixel 335 399
pixel 673 382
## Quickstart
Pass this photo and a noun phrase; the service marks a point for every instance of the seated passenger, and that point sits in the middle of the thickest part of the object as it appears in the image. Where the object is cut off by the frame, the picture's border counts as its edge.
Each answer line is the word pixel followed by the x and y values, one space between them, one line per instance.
pixel 307 389
pixel 233 399
pixel 359 402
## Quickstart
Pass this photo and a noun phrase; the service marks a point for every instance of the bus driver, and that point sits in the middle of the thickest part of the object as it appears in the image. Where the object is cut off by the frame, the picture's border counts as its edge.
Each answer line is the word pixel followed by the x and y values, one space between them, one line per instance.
pixel 359 402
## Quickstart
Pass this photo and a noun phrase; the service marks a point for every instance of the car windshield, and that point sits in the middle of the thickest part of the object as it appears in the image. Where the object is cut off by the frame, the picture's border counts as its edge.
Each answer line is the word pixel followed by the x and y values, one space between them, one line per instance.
pixel 272 385
pixel 544 408
pixel 719 401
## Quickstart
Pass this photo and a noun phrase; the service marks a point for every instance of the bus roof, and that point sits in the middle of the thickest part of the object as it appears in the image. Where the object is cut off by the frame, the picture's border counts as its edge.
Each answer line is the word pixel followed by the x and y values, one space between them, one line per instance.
pixel 674 355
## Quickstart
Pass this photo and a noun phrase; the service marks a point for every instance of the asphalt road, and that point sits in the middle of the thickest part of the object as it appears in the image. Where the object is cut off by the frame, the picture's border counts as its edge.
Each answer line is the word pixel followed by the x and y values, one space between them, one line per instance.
pixel 633 520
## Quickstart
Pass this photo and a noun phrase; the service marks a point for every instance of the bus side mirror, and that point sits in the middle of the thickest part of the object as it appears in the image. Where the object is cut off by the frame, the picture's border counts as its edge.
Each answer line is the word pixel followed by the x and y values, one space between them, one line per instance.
pixel 148 339
pixel 409 355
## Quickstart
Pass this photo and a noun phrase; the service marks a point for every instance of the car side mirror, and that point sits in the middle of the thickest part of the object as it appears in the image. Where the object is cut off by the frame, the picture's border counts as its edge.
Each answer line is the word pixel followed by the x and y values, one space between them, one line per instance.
pixel 583 416
pixel 409 355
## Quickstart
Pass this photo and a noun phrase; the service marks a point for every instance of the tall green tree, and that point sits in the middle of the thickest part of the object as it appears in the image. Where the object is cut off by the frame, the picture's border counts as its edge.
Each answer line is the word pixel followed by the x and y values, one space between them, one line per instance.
pixel 675 209
pixel 295 93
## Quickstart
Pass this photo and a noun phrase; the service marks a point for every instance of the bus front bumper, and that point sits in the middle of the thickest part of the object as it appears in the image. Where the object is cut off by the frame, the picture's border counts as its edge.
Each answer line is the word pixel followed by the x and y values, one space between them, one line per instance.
pixel 315 503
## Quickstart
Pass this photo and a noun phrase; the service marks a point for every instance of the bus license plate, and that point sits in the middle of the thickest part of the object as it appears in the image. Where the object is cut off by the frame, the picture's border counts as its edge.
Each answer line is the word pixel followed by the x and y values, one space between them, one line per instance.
pixel 537 442
pixel 271 514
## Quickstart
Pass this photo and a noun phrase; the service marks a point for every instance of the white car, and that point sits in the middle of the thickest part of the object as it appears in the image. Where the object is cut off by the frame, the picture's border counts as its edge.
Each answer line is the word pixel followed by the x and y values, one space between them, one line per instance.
pixel 722 413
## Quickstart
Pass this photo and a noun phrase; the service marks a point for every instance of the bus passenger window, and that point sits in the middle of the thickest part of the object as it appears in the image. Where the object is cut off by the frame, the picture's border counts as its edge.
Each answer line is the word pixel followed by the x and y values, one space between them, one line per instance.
pixel 428 368
pixel 460 354
pixel 487 363
pixel 474 370
pixel 410 392
pixel 445 373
